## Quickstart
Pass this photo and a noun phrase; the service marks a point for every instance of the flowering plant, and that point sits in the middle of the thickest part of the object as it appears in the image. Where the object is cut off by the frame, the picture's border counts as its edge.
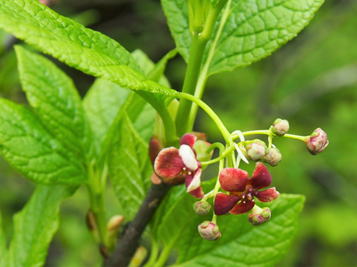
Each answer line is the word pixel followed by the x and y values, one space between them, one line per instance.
pixel 63 142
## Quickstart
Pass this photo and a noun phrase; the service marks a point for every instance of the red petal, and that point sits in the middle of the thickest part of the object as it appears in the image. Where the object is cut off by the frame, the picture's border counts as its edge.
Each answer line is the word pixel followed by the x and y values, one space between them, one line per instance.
pixel 224 203
pixel 168 163
pixel 242 207
pixel 188 139
pixel 233 179
pixel 197 193
pixel 267 195
pixel 261 176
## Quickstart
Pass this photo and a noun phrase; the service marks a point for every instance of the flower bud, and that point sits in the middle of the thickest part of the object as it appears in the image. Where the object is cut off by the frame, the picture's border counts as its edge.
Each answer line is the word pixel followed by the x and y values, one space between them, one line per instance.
pixel 114 223
pixel 209 231
pixel 154 148
pixel 259 215
pixel 202 152
pixel 273 156
pixel 317 141
pixel 201 207
pixel 256 149
pixel 280 127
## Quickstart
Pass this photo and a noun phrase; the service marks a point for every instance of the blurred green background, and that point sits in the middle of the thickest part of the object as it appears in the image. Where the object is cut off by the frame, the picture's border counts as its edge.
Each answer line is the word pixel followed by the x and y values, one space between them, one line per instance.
pixel 311 81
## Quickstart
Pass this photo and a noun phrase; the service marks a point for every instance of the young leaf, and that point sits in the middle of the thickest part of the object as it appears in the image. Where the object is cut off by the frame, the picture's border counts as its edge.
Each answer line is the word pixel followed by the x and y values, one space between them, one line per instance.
pixel 55 99
pixel 35 226
pixel 28 147
pixel 129 166
pixel 253 31
pixel 77 46
pixel 242 244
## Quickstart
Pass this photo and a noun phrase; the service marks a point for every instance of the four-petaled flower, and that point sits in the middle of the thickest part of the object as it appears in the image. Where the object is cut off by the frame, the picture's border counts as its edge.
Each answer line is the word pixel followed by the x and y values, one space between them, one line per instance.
pixel 242 190
pixel 176 166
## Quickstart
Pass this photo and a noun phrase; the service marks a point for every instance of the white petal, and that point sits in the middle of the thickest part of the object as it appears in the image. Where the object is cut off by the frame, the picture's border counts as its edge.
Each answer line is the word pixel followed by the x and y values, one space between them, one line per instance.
pixel 196 181
pixel 188 157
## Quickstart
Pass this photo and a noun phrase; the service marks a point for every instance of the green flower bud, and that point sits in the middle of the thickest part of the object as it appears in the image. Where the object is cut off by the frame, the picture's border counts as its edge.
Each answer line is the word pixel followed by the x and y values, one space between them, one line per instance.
pixel 209 230
pixel 201 207
pixel 259 215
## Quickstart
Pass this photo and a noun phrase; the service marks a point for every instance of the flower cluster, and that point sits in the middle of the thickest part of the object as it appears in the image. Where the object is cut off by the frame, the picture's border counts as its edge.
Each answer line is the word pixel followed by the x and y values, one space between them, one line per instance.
pixel 235 192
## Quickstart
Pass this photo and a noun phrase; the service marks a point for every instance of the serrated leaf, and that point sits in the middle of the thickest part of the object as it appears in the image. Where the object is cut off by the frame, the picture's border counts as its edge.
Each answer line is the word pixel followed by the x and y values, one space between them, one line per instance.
pixel 102 103
pixel 129 166
pixel 28 147
pixel 55 100
pixel 241 244
pixel 35 226
pixel 253 31
pixel 72 43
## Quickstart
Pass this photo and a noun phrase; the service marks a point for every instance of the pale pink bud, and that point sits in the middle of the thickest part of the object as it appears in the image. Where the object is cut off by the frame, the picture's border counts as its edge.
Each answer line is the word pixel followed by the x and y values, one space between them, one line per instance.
pixel 317 142
pixel 280 127
pixel 259 215
pixel 273 156
pixel 256 149
pixel 209 231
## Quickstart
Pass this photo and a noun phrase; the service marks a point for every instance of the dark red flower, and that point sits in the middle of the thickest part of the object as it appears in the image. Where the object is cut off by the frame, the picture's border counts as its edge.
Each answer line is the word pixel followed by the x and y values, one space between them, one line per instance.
pixel 243 190
pixel 176 166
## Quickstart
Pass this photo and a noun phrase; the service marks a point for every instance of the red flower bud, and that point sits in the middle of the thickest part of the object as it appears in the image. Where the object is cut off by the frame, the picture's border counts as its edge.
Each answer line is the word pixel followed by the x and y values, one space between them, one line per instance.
pixel 209 231
pixel 261 176
pixel 201 207
pixel 188 139
pixel 280 127
pixel 224 203
pixel 273 156
pixel 317 142
pixel 233 179
pixel 154 148
pixel 267 195
pixel 259 215
pixel 242 207
pixel 168 165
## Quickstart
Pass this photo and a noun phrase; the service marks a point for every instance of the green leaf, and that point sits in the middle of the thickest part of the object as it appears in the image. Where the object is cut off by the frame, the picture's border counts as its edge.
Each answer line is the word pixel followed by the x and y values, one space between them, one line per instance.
pixel 72 43
pixel 3 249
pixel 242 244
pixel 129 166
pixel 254 29
pixel 102 103
pixel 27 146
pixel 56 101
pixel 35 226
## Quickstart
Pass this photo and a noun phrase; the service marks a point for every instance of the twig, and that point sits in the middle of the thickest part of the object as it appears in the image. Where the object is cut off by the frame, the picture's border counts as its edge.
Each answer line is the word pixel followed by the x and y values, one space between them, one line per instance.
pixel 129 241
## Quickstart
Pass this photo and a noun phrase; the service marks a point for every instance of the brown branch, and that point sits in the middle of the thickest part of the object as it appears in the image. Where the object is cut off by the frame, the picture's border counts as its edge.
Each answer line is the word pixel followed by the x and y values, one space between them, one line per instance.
pixel 129 241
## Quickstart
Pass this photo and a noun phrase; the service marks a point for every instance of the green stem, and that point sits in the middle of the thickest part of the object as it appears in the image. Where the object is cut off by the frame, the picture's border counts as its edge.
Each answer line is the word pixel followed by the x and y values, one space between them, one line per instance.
pixel 225 133
pixel 268 132
pixel 202 80
pixel 220 157
pixel 165 253
pixel 189 85
pixel 153 255
pixel 95 190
